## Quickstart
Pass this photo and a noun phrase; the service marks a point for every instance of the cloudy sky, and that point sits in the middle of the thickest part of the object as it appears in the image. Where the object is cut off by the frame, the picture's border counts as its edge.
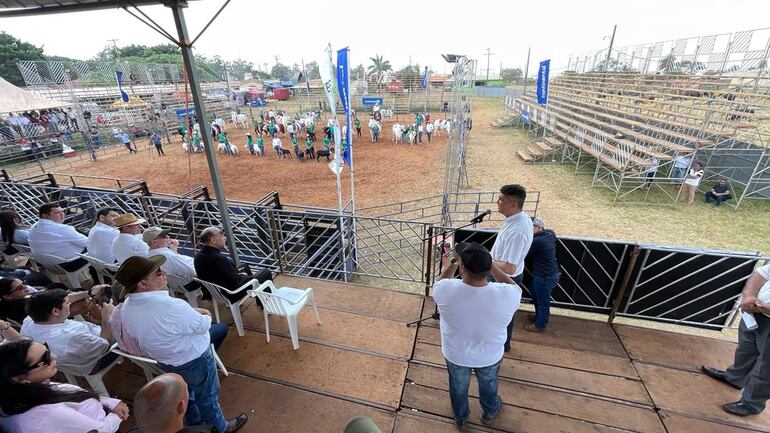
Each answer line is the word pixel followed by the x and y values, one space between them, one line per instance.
pixel 401 30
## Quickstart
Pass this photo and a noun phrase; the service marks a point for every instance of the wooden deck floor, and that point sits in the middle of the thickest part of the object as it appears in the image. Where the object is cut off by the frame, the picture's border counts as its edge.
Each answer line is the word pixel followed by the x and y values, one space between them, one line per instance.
pixel 579 376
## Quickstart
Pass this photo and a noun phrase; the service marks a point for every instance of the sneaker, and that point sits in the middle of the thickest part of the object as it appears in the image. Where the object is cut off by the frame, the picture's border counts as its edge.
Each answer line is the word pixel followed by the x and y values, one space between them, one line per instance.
pixel 462 424
pixel 236 423
pixel 487 419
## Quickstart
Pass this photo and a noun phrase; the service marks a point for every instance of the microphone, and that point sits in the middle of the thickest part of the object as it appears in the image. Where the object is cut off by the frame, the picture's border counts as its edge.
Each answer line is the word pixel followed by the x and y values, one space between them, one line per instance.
pixel 480 217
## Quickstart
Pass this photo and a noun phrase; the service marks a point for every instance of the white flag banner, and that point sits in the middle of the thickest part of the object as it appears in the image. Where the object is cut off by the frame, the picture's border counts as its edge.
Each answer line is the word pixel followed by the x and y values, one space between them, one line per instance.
pixel 327 76
pixel 338 163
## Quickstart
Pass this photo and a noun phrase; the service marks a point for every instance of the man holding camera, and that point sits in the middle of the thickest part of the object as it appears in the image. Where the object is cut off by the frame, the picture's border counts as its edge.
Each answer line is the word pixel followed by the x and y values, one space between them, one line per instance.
pixel 474 315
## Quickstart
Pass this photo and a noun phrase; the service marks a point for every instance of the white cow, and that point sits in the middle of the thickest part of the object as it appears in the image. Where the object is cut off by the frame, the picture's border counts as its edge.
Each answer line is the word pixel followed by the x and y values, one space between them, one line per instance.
pixel 234 117
pixel 242 121
pixel 398 131
pixel 233 148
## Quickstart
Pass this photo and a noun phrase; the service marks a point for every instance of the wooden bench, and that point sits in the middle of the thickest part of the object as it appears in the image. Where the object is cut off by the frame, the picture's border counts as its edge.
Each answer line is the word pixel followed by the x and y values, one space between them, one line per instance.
pixel 524 156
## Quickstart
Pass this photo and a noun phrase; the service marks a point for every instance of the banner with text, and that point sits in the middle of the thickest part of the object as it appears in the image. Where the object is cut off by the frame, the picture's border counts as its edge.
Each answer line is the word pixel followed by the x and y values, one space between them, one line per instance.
pixel 542 82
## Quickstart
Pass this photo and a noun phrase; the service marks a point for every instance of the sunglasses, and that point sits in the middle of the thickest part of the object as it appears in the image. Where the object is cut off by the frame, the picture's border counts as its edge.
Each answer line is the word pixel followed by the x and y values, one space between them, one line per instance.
pixel 45 360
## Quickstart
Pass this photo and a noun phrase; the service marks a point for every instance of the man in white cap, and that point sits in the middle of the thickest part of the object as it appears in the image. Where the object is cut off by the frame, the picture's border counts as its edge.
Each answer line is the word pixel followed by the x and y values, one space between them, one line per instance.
pixel 129 242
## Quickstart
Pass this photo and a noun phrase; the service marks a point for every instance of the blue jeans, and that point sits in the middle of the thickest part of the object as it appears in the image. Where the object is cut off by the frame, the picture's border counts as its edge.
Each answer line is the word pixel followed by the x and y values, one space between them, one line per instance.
pixel 218 332
pixel 678 173
pixel 460 379
pixel 719 198
pixel 540 290
pixel 203 388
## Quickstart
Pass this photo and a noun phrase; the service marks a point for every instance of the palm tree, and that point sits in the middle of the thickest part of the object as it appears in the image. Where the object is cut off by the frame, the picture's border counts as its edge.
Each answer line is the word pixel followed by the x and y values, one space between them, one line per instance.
pixel 379 66
pixel 668 63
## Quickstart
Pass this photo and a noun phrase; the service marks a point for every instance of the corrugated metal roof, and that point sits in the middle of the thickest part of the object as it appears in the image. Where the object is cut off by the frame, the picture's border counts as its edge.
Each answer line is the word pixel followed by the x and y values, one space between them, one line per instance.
pixel 38 7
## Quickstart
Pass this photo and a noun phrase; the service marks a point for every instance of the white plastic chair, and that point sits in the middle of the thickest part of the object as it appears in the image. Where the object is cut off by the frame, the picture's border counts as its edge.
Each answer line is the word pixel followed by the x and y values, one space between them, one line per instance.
pixel 217 296
pixel 176 285
pixel 94 380
pixel 9 260
pixel 287 302
pixel 26 251
pixel 150 366
pixel 103 269
pixel 52 264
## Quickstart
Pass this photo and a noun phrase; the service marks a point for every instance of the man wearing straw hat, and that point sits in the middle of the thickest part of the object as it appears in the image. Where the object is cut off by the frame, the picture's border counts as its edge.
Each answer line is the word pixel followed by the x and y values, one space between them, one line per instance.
pixel 129 242
pixel 176 335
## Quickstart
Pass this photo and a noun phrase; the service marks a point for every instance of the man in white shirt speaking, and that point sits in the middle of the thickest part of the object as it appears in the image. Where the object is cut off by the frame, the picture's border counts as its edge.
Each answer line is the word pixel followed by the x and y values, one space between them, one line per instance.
pixel 129 242
pixel 514 238
pixel 176 335
pixel 103 234
pixel 474 314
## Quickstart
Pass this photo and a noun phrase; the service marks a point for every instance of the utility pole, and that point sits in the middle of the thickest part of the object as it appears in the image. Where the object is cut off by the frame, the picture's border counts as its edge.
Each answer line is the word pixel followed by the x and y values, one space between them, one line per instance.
pixel 526 69
pixel 609 51
pixel 488 54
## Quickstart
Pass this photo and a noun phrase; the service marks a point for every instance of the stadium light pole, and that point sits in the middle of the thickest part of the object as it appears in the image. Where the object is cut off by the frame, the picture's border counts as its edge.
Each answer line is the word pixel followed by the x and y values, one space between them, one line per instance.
pixel 192 75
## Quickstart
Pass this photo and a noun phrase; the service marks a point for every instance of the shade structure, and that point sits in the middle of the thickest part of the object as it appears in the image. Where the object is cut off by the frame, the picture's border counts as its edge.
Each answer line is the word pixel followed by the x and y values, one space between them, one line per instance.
pixel 14 99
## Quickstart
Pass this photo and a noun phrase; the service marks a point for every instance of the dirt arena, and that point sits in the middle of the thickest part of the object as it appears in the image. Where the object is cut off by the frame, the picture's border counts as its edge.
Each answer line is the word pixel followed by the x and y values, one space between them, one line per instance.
pixel 384 171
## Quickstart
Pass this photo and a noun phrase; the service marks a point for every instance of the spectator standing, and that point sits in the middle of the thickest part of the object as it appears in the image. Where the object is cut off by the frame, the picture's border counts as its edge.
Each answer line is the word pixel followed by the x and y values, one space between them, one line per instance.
pixel 103 234
pixel 514 237
pixel 681 164
pixel 691 183
pixel 155 139
pixel 474 314
pixel 126 140
pixel 720 192
pixel 545 273
pixel 750 370
pixel 428 130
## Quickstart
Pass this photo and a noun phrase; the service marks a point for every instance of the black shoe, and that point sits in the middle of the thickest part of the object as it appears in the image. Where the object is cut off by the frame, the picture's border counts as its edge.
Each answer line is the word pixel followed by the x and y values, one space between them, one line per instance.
pixel 738 408
pixel 507 348
pixel 531 318
pixel 716 374
pixel 236 423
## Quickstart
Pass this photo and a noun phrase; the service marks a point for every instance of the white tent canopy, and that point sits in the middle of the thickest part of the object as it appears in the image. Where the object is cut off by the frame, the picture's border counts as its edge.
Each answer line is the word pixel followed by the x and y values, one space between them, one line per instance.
pixel 14 99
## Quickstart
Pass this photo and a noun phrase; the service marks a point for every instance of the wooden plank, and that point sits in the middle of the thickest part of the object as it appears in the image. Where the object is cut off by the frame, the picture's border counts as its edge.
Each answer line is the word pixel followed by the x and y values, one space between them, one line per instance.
pixel 695 395
pixel 418 422
pixel 277 408
pixel 553 142
pixel 568 358
pixel 676 423
pixel 534 151
pixel 511 419
pixel 681 351
pixel 342 372
pixel 372 334
pixel 610 413
pixel 359 299
pixel 543 146
pixel 524 156
pixel 614 387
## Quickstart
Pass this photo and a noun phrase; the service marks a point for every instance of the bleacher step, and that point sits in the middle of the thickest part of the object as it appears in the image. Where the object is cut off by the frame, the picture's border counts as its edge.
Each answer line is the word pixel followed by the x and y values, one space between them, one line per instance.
pixel 534 151
pixel 526 157
pixel 543 146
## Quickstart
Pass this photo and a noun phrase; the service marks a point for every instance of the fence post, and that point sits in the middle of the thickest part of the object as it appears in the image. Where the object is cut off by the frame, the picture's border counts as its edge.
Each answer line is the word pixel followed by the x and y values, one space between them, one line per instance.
pixel 274 234
pixel 635 250
pixel 429 259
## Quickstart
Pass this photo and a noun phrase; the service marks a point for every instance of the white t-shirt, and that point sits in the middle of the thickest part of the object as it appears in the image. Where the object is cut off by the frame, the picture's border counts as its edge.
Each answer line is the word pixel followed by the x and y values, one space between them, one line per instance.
pixel 695 181
pixel 126 245
pixel 513 241
pixel 77 344
pixel 763 295
pixel 474 320
pixel 682 161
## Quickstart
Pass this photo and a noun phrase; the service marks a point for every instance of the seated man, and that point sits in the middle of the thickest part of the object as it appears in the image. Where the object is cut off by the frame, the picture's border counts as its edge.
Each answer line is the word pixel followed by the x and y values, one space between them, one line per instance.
pixel 129 242
pixel 213 266
pixel 177 264
pixel 720 192
pixel 160 405
pixel 82 346
pixel 51 236
pixel 103 234
pixel 175 334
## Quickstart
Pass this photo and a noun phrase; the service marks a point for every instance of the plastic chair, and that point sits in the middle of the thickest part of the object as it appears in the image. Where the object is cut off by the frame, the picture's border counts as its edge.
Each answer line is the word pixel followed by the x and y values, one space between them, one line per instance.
pixel 150 366
pixel 52 264
pixel 176 285
pixel 103 269
pixel 26 251
pixel 217 296
pixel 94 380
pixel 287 302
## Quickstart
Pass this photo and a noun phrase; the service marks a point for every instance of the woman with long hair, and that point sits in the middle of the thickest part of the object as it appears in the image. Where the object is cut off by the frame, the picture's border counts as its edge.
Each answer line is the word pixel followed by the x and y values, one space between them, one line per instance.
pixel 30 402
pixel 10 233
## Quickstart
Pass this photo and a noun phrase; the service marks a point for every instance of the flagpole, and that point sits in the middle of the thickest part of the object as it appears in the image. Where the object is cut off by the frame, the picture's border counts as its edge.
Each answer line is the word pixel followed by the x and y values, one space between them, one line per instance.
pixel 350 144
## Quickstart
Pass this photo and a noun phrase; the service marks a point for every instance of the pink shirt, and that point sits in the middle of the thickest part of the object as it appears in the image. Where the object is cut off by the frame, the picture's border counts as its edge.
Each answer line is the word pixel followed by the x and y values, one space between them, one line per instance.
pixel 88 415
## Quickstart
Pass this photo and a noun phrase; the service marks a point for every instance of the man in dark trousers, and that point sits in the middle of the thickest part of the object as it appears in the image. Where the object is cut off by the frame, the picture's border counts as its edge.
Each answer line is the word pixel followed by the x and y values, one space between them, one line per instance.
pixel 545 273
pixel 213 266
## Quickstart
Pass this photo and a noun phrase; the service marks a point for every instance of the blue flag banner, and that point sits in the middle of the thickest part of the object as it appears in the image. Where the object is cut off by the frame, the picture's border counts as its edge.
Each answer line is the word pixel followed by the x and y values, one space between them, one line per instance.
pixel 343 86
pixel 119 78
pixel 425 78
pixel 542 82
pixel 371 100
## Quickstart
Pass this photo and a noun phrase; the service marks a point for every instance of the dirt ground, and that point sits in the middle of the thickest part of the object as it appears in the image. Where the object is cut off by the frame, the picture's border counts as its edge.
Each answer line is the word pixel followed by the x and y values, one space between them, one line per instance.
pixel 384 171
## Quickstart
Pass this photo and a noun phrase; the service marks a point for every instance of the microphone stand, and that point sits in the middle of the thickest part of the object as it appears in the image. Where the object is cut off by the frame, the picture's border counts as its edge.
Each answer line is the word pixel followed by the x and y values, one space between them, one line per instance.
pixel 444 234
